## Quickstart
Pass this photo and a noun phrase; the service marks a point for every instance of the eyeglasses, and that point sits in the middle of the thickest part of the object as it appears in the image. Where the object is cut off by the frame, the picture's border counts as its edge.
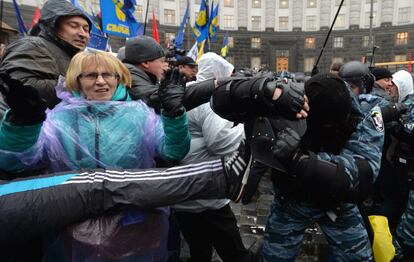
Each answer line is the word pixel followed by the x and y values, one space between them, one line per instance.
pixel 92 76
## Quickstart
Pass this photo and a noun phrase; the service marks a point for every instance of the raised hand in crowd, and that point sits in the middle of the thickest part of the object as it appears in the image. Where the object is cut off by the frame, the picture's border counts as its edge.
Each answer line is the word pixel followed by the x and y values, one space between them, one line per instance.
pixel 171 93
pixel 26 105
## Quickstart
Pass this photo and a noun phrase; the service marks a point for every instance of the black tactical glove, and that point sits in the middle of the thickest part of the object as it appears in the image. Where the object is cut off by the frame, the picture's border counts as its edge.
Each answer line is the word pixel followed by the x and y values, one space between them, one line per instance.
pixel 26 105
pixel 242 98
pixel 393 112
pixel 291 100
pixel 171 94
pixel 286 146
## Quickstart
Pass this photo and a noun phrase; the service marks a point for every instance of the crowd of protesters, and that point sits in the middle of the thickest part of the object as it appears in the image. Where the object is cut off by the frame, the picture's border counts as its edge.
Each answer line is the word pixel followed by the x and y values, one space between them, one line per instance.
pixel 106 158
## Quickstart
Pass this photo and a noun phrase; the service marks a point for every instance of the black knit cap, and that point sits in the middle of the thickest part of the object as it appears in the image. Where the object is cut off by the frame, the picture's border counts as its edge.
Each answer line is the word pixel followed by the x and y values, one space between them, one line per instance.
pixel 381 73
pixel 329 100
pixel 142 49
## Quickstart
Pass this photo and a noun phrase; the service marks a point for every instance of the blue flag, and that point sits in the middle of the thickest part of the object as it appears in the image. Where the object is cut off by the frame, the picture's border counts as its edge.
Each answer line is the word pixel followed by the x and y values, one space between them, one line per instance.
pixel 180 35
pixel 213 23
pixel 22 27
pixel 118 19
pixel 200 29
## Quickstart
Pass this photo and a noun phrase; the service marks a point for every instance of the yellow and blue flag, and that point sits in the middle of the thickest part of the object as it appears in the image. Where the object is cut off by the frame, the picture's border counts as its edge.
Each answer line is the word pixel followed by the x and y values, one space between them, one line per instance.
pixel 213 22
pixel 225 46
pixel 201 50
pixel 22 27
pixel 118 18
pixel 200 28
pixel 180 35
pixel 203 14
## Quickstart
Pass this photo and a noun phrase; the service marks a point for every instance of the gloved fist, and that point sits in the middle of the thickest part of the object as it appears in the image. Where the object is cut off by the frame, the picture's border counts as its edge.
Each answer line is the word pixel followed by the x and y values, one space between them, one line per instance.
pixel 286 145
pixel 292 99
pixel 171 93
pixel 393 112
pixel 26 105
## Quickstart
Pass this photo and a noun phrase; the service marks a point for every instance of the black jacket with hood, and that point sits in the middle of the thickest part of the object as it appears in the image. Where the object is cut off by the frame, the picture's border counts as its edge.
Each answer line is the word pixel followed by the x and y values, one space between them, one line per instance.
pixel 39 60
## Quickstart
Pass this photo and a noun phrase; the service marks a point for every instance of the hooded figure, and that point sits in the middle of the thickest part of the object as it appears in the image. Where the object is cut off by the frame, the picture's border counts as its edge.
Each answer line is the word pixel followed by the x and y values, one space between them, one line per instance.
pixel 404 85
pixel 39 60
pixel 211 223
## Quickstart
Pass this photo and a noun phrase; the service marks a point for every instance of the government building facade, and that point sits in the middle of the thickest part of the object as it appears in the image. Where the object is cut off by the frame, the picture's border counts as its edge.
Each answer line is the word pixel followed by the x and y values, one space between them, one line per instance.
pixel 281 34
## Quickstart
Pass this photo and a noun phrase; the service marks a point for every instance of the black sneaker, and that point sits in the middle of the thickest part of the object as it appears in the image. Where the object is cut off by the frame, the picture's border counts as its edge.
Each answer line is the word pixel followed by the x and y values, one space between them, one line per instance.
pixel 237 168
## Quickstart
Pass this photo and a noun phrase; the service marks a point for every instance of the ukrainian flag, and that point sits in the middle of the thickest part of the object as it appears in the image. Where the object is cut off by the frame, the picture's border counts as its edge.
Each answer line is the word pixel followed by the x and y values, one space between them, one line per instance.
pixel 202 18
pixel 214 22
pixel 200 29
pixel 225 46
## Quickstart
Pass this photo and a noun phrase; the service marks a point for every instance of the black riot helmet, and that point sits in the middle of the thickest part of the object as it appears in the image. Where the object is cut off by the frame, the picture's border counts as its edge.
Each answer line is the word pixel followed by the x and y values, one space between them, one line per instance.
pixel 328 123
pixel 358 76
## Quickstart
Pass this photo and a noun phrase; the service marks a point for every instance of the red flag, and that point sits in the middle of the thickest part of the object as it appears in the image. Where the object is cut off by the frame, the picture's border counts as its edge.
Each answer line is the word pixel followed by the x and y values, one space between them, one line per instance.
pixel 36 17
pixel 409 62
pixel 154 28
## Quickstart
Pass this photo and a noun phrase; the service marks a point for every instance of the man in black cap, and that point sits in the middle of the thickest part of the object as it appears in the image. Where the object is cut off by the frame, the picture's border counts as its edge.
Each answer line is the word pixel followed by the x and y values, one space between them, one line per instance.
pixel 383 82
pixel 188 67
pixel 145 59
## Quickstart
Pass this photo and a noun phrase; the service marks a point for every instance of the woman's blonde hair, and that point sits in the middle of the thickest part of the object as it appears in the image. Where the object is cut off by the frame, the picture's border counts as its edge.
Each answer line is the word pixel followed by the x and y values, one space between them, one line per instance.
pixel 85 58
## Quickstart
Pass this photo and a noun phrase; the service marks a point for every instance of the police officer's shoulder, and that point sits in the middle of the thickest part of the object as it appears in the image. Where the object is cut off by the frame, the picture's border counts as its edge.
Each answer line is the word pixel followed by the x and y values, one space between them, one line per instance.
pixel 375 117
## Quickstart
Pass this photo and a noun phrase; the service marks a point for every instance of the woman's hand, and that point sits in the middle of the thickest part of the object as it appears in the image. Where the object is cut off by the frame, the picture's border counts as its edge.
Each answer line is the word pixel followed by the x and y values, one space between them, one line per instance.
pixel 26 105
pixel 171 93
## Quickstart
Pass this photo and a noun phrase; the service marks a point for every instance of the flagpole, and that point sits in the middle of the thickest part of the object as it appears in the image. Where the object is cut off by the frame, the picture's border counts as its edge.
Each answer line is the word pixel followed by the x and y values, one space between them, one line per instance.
pixel 1 16
pixel 188 26
pixel 146 16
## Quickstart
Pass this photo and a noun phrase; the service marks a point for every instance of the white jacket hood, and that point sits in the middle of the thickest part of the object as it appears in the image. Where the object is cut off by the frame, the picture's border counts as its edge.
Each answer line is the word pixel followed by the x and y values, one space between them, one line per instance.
pixel 212 65
pixel 404 82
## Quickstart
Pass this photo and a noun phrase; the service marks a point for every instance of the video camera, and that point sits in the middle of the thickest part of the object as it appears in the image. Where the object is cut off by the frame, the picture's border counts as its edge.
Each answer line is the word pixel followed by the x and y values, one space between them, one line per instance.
pixel 171 53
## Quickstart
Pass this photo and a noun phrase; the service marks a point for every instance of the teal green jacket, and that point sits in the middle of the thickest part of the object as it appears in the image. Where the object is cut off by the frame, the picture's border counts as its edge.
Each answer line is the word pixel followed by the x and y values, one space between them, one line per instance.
pixel 88 134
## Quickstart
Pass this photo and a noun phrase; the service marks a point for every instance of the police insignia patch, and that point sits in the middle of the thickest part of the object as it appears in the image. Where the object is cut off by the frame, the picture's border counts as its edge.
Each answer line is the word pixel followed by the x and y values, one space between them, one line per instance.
pixel 376 118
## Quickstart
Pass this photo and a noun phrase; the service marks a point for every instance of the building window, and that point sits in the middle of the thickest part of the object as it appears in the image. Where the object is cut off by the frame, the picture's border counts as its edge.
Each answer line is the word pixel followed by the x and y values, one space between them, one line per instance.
pixel 169 37
pixel 284 4
pixel 308 64
pixel 311 3
pixel 365 40
pixel 228 21
pixel 169 16
pixel 400 58
pixel 256 22
pixel 337 2
pixel 310 43
pixel 401 38
pixel 256 3
pixel 231 41
pixel 228 3
pixel 256 42
pixel 367 15
pixel 138 13
pixel 338 42
pixel 256 62
pixel 311 22
pixel 340 22
pixel 404 15
pixel 283 22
